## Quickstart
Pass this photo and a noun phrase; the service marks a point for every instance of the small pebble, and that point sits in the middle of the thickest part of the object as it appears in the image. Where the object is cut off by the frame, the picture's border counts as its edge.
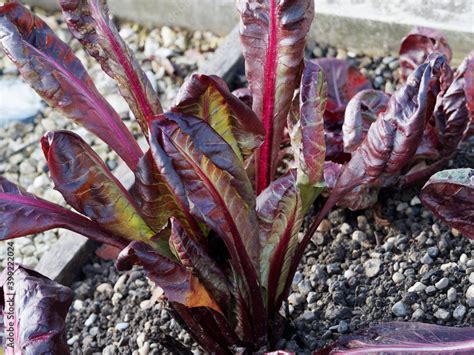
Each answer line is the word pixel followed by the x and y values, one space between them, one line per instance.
pixel 398 277
pixel 78 305
pixel 442 314
pixel 451 295
pixel 430 290
pixel 372 267
pixel 426 259
pixel 418 314
pixel 442 284
pixel 90 320
pixel 121 326
pixel 417 287
pixel 459 312
pixel 346 228
pixel 399 309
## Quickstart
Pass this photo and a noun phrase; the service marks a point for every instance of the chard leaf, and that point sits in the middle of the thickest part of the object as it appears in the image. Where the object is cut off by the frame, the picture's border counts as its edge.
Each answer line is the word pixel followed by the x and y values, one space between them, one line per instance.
pixel 217 187
pixel 160 194
pixel 344 80
pixel 449 194
pixel 396 338
pixel 57 75
pixel 24 214
pixel 213 178
pixel 362 110
pixel 273 34
pixel 89 22
pixel 393 138
pixel 306 126
pixel 208 98
pixel 279 210
pixel 452 109
pixel 40 307
pixel 417 45
pixel 177 282
pixel 195 258
pixel 244 95
pixel 87 185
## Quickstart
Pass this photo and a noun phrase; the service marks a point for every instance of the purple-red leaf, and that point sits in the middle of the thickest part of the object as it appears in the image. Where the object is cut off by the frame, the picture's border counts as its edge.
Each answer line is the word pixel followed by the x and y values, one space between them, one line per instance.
pixel 87 185
pixel 273 34
pixel 177 281
pixel 391 141
pixel 244 95
pixel 34 310
pixel 398 338
pixel 52 69
pixel 393 138
pixel 196 259
pixel 160 194
pixel 452 108
pixel 306 126
pixel 23 213
pixel 217 187
pixel 417 45
pixel 469 92
pixel 344 80
pixel 362 110
pixel 279 210
pixel 450 195
pixel 209 98
pixel 89 22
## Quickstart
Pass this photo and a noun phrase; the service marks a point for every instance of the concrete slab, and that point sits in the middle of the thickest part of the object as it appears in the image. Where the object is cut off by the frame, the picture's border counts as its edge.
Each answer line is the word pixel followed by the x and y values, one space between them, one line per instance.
pixel 373 26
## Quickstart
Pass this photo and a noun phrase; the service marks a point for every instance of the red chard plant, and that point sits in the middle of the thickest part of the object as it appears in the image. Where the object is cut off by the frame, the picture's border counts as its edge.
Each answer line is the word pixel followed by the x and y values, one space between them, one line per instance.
pixel 210 217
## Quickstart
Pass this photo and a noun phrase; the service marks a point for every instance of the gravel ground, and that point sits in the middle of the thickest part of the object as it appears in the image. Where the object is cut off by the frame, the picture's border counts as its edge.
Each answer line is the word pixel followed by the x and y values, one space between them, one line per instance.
pixel 166 54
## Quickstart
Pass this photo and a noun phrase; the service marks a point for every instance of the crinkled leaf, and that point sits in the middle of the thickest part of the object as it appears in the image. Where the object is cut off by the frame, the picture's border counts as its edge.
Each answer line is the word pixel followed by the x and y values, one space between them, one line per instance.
pixel 217 187
pixel 361 197
pixel 429 146
pixel 89 22
pixel 344 80
pixel 244 95
pixel 450 195
pixel 469 92
pixel 52 69
pixel 39 307
pixel 196 259
pixel 280 217
pixel 331 173
pixel 417 45
pixel 23 214
pixel 362 110
pixel 87 185
pixel 273 34
pixel 306 126
pixel 208 98
pixel 397 338
pixel 452 109
pixel 393 138
pixel 177 281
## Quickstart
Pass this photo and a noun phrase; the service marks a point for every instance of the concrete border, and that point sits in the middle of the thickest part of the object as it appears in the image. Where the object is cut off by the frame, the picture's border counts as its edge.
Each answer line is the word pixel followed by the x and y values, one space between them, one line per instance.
pixel 372 26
